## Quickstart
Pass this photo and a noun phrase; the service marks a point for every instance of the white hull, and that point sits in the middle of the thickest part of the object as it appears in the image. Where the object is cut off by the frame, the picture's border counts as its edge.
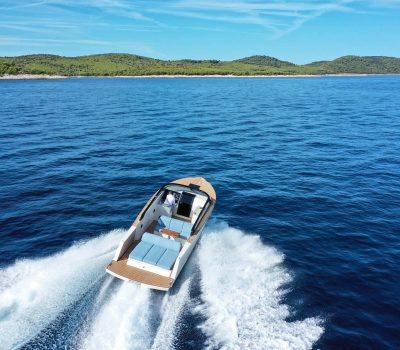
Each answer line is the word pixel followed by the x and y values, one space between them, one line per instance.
pixel 161 240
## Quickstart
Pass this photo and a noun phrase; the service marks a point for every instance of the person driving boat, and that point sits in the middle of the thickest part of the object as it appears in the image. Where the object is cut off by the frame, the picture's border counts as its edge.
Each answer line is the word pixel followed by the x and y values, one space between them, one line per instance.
pixel 170 200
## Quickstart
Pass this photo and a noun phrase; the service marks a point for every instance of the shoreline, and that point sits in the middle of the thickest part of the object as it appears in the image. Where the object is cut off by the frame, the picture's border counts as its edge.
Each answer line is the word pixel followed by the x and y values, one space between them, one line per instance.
pixel 32 77
pixel 56 77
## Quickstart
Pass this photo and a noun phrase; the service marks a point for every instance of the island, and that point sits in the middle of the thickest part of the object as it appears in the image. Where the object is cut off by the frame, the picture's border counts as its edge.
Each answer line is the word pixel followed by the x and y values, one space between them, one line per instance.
pixel 129 65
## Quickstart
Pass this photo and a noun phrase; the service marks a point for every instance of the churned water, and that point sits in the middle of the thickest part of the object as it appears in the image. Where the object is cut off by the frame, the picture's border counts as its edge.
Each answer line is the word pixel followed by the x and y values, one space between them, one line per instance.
pixel 303 248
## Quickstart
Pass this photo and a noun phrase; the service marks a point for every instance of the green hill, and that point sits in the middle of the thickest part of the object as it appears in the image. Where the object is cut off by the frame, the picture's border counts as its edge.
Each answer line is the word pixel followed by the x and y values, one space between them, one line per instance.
pixel 360 64
pixel 265 61
pixel 127 64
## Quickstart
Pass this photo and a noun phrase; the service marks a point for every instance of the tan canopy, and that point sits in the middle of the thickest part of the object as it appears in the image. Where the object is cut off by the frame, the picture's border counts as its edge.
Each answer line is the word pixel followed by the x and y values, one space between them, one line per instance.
pixel 203 184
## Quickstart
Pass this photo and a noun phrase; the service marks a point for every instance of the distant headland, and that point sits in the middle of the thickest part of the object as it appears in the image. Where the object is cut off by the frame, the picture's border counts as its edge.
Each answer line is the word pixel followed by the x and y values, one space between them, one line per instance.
pixel 43 66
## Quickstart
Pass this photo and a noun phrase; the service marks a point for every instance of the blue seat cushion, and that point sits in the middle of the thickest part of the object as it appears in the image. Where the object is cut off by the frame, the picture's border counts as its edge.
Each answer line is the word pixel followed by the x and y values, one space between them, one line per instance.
pixel 163 221
pixel 140 250
pixel 176 225
pixel 154 255
pixel 167 259
pixel 161 241
pixel 186 230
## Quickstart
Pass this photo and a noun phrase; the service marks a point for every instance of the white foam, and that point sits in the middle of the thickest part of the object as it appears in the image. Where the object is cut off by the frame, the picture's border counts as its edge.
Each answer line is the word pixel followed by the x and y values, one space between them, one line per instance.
pixel 171 311
pixel 123 323
pixel 34 291
pixel 242 283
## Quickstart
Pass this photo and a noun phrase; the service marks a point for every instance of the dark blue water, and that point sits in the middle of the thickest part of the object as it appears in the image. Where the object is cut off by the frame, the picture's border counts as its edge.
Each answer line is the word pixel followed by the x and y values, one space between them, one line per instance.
pixel 304 237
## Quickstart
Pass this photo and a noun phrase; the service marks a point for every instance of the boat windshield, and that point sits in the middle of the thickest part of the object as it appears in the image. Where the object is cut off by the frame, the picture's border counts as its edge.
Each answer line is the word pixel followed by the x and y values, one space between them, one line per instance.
pixel 175 187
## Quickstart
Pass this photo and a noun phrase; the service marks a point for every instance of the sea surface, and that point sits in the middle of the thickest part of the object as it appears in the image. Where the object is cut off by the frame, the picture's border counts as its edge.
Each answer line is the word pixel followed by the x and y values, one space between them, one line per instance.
pixel 303 248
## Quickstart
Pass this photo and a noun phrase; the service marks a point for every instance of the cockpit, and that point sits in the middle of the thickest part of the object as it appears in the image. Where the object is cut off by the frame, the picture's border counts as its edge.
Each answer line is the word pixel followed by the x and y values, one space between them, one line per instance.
pixel 189 202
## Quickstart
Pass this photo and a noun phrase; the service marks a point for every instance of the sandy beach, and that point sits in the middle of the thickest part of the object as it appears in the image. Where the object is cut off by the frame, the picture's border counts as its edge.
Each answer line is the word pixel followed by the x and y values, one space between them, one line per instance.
pixel 31 77
pixel 52 77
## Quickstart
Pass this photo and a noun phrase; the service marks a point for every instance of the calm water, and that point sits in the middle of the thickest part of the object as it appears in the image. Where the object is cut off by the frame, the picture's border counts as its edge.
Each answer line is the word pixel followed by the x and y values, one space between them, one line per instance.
pixel 303 249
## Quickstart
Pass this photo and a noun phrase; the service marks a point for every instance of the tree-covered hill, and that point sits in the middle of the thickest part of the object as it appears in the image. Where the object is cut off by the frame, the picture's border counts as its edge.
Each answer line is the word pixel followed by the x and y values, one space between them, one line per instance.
pixel 127 64
pixel 266 61
pixel 362 65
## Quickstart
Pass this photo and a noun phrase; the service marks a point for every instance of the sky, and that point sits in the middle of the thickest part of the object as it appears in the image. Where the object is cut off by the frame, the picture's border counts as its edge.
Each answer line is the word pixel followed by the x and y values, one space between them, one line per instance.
pixel 298 31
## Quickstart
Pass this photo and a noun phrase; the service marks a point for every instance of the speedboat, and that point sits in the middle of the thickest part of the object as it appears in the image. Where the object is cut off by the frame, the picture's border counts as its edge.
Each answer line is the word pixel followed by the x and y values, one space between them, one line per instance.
pixel 162 238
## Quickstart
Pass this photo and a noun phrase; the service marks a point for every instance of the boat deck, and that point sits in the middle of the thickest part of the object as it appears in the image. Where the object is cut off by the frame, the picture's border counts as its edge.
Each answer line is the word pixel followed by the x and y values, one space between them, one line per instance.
pixel 125 271
pixel 122 269
pixel 182 218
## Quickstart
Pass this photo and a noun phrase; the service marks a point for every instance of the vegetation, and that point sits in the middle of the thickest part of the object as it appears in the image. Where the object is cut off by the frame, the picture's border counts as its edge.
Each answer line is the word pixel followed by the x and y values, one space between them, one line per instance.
pixel 361 65
pixel 126 64
pixel 266 61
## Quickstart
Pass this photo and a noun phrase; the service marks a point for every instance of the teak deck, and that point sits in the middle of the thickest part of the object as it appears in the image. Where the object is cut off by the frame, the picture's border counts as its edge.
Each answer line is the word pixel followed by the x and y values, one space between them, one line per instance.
pixel 121 268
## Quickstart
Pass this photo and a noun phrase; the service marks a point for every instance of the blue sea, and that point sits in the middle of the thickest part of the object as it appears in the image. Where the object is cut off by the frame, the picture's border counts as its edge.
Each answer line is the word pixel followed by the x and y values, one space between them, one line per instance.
pixel 303 248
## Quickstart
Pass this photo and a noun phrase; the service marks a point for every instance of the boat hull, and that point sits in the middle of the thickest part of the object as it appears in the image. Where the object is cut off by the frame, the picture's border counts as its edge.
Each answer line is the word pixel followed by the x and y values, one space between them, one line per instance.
pixel 145 273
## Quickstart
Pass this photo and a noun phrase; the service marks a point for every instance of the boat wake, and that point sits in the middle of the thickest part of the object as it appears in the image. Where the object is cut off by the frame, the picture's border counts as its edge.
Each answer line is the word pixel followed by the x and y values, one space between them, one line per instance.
pixel 34 292
pixel 242 291
pixel 68 301
pixel 123 323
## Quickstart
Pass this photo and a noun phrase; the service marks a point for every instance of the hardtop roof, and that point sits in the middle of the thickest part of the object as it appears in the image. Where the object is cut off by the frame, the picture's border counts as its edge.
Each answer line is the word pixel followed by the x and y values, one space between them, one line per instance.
pixel 202 183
